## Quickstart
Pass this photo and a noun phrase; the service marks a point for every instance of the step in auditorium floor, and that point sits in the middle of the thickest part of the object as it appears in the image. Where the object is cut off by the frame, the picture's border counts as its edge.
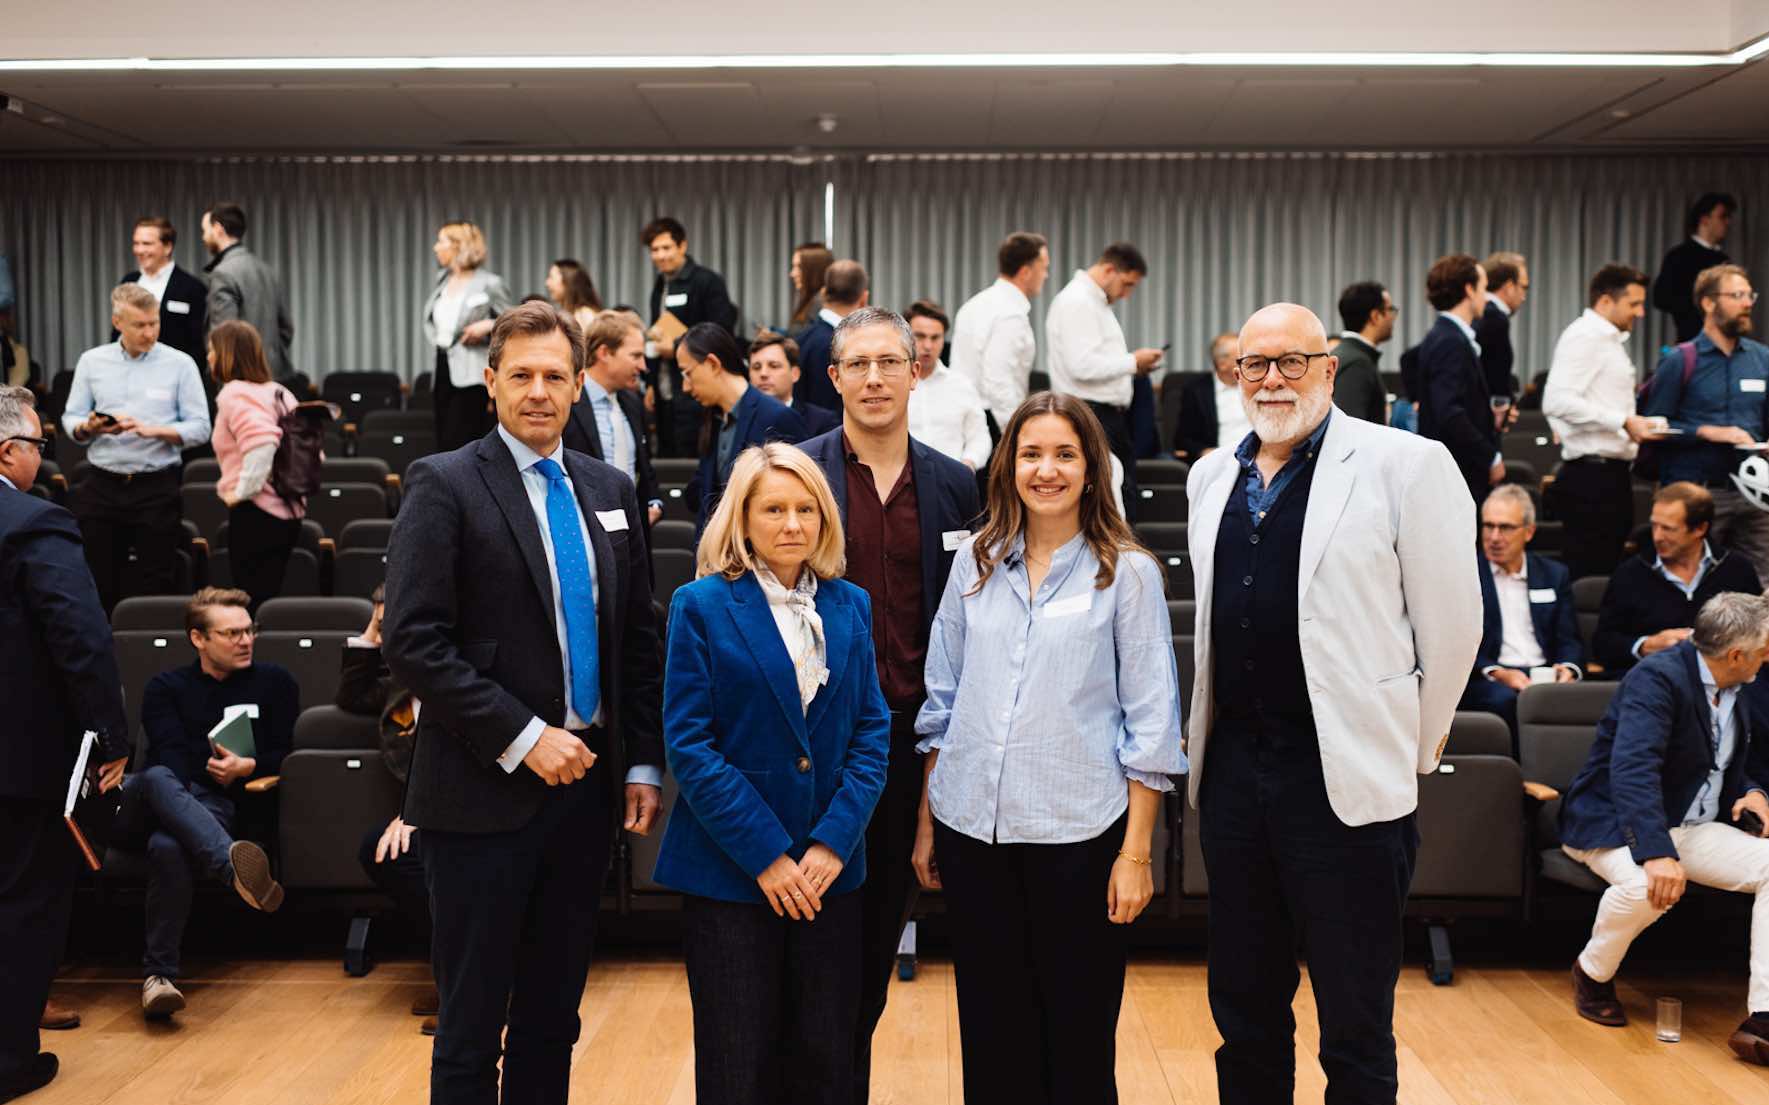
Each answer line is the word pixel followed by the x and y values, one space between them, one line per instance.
pixel 278 1033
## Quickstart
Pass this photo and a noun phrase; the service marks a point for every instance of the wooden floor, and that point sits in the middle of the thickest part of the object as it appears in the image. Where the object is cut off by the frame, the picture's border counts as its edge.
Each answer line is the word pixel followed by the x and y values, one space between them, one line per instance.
pixel 301 1032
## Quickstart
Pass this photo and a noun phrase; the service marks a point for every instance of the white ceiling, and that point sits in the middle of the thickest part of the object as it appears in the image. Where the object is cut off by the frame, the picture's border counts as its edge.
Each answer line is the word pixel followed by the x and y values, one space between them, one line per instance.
pixel 738 109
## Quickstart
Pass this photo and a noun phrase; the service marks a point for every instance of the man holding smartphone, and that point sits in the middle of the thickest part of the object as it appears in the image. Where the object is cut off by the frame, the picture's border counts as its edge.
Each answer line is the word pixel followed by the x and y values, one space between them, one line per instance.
pixel 139 404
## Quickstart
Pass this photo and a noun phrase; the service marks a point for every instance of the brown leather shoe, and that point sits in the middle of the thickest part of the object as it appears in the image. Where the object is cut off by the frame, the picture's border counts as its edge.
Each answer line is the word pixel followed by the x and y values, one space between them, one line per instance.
pixel 1751 1041
pixel 428 1005
pixel 57 1017
pixel 1596 1001
pixel 428 1028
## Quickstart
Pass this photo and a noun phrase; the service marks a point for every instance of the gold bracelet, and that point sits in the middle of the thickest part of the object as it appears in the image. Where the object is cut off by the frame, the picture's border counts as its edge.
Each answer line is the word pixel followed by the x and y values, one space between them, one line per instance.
pixel 1122 854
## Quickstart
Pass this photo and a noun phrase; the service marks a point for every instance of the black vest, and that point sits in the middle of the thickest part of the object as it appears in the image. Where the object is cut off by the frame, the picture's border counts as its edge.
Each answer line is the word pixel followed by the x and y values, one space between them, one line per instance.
pixel 1258 677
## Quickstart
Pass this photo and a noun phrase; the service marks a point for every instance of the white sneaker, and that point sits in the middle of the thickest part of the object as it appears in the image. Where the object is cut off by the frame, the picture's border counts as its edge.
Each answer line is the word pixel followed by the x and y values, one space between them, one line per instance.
pixel 159 998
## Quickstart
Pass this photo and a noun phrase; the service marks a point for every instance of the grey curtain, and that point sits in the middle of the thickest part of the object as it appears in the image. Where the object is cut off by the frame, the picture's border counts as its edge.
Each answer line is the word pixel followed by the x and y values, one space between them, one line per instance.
pixel 1223 233
pixel 352 236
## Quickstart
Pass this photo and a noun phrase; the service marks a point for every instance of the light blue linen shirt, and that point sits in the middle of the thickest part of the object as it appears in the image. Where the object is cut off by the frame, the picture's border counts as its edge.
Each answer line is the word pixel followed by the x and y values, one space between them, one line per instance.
pixel 1688 589
pixel 159 388
pixel 535 485
pixel 1043 705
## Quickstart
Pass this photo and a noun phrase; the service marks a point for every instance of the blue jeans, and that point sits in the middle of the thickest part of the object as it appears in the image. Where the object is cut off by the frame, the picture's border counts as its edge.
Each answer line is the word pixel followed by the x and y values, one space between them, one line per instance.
pixel 190 827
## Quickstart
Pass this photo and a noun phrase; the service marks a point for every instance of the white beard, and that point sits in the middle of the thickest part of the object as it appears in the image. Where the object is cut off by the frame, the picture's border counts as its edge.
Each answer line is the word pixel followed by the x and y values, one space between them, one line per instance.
pixel 1275 428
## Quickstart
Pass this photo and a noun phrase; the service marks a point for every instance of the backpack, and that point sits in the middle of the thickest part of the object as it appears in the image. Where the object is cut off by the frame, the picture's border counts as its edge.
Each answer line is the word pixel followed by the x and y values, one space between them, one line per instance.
pixel 294 473
pixel 1646 460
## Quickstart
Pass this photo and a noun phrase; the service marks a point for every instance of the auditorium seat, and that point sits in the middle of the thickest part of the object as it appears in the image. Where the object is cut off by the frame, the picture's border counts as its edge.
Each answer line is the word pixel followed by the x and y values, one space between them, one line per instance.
pixel 158 613
pixel 1161 503
pixel 204 507
pixel 301 577
pixel 397 447
pixel 1162 470
pixel 1550 539
pixel 675 568
pixel 313 657
pixel 1523 473
pixel 359 469
pixel 143 654
pixel 357 572
pixel 1183 614
pixel 1587 601
pixel 1475 733
pixel 365 533
pixel 1537 448
pixel 357 393
pixel 315 613
pixel 406 421
pixel 202 470
pixel 1162 538
pixel 329 800
pixel 1185 656
pixel 331 729
pixel 338 505
pixel 1556 724
pixel 673 474
pixel 311 537
pixel 1471 850
pixel 672 534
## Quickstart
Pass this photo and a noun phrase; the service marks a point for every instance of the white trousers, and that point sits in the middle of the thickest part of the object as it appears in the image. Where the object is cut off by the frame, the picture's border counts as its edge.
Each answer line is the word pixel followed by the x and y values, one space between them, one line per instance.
pixel 1713 854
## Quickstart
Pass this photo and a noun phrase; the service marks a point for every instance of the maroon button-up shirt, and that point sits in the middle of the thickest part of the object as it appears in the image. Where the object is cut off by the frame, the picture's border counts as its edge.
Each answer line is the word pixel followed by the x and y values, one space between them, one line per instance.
pixel 884 556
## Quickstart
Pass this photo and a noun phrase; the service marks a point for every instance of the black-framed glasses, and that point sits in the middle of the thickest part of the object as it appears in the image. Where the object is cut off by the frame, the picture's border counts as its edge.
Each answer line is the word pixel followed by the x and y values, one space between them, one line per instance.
pixel 891 368
pixel 232 635
pixel 41 443
pixel 1291 366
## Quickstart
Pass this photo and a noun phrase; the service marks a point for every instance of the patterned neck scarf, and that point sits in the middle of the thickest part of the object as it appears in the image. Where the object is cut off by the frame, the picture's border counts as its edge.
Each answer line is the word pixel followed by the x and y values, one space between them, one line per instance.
pixel 801 628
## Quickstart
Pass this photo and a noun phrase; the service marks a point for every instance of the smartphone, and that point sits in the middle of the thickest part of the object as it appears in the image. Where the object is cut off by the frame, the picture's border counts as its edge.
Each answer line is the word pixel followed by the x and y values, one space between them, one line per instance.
pixel 1750 823
pixel 106 419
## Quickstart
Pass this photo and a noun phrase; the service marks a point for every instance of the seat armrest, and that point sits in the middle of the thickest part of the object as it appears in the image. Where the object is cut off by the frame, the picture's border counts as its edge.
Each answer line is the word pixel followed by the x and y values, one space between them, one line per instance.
pixel 264 784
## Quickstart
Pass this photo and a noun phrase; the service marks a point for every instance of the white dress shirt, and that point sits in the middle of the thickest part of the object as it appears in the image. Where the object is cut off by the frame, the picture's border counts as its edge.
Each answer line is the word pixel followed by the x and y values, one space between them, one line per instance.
pixel 946 414
pixel 993 347
pixel 535 485
pixel 1231 415
pixel 447 314
pixel 1500 304
pixel 1088 356
pixel 1518 647
pixel 158 281
pixel 1590 391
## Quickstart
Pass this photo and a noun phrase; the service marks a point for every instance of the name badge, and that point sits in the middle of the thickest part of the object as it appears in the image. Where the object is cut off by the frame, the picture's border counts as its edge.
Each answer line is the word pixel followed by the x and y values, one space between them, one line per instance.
pixel 952 538
pixel 612 520
pixel 679 299
pixel 1541 594
pixel 177 306
pixel 478 299
pixel 1064 608
pixel 1752 385
pixel 161 394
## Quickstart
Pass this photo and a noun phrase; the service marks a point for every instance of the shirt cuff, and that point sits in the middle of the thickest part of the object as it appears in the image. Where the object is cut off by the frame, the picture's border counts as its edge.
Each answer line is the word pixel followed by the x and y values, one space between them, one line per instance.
pixel 658 503
pixel 1578 673
pixel 647 774
pixel 1635 651
pixel 520 747
pixel 1489 669
pixel 1152 779
pixel 360 642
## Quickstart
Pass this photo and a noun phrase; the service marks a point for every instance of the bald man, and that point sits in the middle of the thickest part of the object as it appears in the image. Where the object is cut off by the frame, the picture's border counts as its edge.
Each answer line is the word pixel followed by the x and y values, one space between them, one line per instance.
pixel 1337 620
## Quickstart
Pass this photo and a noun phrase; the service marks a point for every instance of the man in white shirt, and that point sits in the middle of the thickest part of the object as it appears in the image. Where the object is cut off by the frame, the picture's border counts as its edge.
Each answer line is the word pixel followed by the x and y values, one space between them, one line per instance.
pixel 992 343
pixel 1589 401
pixel 945 412
pixel 1089 358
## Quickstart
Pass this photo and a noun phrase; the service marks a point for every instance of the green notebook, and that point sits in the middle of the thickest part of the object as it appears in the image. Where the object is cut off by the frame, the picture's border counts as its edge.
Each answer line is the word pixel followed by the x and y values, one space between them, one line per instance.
pixel 234 731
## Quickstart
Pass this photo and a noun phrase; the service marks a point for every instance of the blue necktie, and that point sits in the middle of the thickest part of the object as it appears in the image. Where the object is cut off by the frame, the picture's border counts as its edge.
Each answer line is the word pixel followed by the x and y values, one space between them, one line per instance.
pixel 572 563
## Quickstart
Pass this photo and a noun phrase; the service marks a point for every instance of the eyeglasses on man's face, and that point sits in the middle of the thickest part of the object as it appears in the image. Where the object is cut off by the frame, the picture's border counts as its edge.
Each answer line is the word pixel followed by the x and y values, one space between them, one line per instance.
pixel 232 636
pixel 1746 296
pixel 891 368
pixel 1291 366
pixel 41 443
pixel 1503 529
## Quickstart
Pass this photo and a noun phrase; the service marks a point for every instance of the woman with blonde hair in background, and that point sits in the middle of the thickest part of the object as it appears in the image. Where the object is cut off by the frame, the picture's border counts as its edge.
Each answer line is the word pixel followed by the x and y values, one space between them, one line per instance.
pixel 458 319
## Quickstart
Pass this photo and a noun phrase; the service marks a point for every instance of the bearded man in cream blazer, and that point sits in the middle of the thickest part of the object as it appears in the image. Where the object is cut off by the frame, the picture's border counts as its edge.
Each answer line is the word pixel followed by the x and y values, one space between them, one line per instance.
pixel 1338 616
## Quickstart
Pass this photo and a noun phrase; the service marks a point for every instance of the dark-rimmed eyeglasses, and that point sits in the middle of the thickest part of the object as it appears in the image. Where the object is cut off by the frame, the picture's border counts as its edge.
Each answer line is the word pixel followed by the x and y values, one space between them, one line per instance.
pixel 41 443
pixel 232 635
pixel 1291 366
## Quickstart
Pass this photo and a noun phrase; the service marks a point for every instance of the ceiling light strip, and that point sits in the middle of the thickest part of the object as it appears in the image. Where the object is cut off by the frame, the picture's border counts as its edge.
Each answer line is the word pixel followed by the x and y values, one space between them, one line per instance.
pixel 1250 59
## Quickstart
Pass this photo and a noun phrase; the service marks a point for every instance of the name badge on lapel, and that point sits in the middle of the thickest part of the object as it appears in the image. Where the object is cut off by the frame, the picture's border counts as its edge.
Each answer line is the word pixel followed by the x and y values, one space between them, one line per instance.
pixel 1753 385
pixel 1541 594
pixel 677 299
pixel 161 395
pixel 177 306
pixel 952 538
pixel 612 520
pixel 478 299
pixel 1069 607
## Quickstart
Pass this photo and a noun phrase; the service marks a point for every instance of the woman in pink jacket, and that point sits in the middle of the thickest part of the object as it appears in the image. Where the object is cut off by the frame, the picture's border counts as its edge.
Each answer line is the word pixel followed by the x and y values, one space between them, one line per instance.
pixel 262 525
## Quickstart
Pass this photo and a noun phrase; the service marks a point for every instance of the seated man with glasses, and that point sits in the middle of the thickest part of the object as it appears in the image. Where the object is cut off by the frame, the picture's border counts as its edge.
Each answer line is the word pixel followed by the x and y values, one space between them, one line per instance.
pixel 184 801
pixel 1530 629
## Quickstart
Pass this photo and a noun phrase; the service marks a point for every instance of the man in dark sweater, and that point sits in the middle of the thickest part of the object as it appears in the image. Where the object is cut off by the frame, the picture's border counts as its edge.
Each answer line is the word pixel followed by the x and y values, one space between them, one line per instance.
pixel 693 294
pixel 184 801
pixel 1651 601
pixel 1673 292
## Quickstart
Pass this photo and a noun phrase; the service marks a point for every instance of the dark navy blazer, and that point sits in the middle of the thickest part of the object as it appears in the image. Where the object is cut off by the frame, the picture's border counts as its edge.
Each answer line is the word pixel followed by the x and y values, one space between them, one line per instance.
pixel 761 418
pixel 1556 621
pixel 760 777
pixel 945 499
pixel 1652 754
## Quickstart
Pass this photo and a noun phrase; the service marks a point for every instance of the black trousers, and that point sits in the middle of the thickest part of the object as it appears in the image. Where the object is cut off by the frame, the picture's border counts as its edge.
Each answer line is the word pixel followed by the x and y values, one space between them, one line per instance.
pixel 768 992
pixel 118 513
pixel 1595 498
pixel 514 921
pixel 37 868
pixel 258 548
pixel 1039 966
pixel 400 878
pixel 889 892
pixel 1285 873
pixel 1116 422
pixel 462 413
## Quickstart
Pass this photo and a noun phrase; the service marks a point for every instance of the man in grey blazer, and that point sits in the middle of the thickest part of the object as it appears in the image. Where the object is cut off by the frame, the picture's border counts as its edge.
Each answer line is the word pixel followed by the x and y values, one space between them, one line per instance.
pixel 1338 617
pixel 243 286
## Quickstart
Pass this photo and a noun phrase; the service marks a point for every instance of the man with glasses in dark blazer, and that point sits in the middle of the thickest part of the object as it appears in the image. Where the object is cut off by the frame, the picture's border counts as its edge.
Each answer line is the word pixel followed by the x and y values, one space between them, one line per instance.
pixel 905 508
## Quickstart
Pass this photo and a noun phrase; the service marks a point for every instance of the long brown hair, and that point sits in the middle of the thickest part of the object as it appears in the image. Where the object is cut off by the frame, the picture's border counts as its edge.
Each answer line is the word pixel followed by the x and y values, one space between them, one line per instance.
pixel 239 352
pixel 814 262
pixel 580 290
pixel 1102 526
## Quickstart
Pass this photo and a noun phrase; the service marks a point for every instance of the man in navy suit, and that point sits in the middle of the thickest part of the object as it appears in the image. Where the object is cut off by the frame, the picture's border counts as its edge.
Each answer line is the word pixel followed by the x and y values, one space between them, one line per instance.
pixel 1443 372
pixel 844 292
pixel 519 612
pixel 183 296
pixel 1673 793
pixel 614 356
pixel 1507 286
pixel 61 680
pixel 774 370
pixel 1530 621
pixel 905 508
